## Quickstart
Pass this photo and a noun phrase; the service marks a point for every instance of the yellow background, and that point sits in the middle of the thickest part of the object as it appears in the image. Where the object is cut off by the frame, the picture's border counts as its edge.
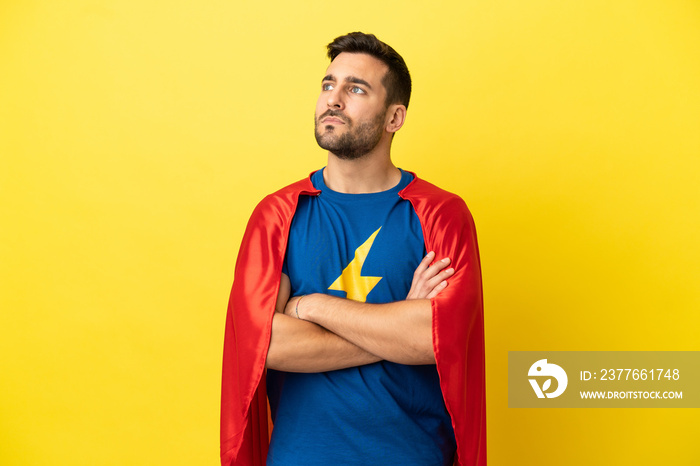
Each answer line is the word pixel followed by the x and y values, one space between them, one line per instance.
pixel 137 136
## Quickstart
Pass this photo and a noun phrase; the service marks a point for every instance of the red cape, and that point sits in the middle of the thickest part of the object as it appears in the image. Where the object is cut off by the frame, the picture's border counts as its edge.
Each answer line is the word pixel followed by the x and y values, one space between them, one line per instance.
pixel 458 321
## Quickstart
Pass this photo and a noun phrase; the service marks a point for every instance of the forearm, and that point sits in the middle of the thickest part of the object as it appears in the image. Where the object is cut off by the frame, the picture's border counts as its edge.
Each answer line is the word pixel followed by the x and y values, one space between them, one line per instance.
pixel 399 332
pixel 300 346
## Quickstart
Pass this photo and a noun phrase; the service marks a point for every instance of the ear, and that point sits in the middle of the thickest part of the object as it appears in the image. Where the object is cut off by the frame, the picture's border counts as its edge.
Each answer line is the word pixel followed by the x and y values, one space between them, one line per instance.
pixel 396 116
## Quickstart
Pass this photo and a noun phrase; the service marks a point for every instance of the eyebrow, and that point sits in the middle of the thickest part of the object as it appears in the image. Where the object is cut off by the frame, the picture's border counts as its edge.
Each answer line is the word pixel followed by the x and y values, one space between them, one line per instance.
pixel 349 79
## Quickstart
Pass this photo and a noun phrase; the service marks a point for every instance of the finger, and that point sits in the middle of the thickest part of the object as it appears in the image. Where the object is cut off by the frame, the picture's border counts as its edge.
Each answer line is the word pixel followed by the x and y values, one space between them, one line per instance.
pixel 425 263
pixel 444 275
pixel 438 288
pixel 422 267
pixel 434 269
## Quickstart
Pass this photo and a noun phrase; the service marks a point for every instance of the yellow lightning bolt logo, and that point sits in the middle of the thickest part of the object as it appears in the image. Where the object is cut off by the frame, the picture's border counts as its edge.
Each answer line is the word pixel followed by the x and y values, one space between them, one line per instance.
pixel 351 280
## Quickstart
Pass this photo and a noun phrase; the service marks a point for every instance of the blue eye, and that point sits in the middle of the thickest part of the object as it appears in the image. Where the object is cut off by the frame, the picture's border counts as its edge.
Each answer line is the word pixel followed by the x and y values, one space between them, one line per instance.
pixel 326 86
pixel 357 90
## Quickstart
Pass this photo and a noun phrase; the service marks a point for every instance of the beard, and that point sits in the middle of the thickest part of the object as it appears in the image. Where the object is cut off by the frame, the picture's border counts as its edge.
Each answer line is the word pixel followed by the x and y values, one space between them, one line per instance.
pixel 356 142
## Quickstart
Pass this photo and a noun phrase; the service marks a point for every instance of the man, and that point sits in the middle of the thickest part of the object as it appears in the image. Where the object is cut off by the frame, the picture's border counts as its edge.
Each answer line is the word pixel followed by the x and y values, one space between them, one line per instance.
pixel 374 359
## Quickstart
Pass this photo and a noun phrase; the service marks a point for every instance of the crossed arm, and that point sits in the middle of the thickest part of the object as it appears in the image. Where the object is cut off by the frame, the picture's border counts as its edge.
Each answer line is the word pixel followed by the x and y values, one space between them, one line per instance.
pixel 333 333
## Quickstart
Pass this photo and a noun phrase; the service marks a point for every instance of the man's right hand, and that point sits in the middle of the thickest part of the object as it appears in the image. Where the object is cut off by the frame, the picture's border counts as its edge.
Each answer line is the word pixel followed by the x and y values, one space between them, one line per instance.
pixel 430 280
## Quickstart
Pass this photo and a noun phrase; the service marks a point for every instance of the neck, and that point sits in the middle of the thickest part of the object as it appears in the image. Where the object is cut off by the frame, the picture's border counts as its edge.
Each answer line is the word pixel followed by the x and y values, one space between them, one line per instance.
pixel 371 173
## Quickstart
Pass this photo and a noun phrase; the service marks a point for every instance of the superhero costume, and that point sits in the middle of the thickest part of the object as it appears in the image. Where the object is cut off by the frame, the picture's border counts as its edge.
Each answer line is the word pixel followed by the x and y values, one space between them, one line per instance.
pixel 364 247
pixel 458 338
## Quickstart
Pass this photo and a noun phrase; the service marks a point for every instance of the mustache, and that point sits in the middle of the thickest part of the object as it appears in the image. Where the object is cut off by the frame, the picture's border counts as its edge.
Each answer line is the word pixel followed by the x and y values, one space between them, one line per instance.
pixel 335 114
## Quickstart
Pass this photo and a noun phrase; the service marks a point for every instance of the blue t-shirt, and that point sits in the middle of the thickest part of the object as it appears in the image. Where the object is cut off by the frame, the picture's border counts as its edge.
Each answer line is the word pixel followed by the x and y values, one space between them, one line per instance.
pixel 363 247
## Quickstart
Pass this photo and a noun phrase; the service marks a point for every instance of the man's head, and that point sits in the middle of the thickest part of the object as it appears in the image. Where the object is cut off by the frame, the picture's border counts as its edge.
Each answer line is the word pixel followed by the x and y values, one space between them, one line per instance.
pixel 396 81
pixel 363 96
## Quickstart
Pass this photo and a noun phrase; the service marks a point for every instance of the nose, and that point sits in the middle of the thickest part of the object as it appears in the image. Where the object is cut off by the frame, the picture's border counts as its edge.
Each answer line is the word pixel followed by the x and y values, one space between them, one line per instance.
pixel 335 99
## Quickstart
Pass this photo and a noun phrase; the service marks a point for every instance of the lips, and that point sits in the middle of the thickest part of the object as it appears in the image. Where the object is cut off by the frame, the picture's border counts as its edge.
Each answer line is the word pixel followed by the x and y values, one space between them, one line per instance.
pixel 333 117
pixel 332 121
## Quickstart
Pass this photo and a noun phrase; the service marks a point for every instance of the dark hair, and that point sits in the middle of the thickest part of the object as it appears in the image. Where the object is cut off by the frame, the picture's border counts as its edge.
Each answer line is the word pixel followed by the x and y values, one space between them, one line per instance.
pixel 397 81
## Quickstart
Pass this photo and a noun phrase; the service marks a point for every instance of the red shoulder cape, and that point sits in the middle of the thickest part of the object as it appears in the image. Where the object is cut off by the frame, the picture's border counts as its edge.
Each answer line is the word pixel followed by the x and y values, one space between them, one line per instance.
pixel 458 321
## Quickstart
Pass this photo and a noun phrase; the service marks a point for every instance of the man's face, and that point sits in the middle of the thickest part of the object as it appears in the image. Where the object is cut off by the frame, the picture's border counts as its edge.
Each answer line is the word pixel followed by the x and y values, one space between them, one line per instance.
pixel 351 110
